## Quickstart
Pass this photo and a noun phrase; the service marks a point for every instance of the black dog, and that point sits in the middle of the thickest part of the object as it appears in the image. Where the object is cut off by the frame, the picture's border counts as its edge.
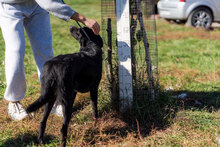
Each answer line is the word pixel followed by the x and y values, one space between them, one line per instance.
pixel 65 75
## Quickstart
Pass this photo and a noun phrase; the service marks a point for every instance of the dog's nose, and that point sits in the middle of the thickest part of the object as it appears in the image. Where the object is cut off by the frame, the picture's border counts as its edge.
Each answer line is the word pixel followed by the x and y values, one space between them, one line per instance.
pixel 71 28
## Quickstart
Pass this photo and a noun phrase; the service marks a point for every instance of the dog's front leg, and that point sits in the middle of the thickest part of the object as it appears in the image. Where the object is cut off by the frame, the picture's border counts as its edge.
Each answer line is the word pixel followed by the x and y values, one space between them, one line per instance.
pixel 47 110
pixel 94 97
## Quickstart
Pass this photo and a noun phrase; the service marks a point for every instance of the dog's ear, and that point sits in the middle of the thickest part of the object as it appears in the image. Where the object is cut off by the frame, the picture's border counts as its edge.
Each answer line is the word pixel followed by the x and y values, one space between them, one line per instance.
pixel 94 38
pixel 75 32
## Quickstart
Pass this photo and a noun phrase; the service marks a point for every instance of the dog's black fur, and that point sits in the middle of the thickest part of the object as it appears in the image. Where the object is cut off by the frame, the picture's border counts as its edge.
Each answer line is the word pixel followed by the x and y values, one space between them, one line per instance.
pixel 65 75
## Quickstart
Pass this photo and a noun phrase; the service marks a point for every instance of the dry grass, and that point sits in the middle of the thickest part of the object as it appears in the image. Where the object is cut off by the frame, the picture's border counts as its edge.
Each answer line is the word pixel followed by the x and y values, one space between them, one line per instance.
pixel 168 33
pixel 201 34
pixel 181 74
pixel 108 130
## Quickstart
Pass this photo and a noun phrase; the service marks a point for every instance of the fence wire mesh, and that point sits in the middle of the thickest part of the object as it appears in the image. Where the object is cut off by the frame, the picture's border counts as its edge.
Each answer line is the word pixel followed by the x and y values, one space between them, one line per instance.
pixel 138 49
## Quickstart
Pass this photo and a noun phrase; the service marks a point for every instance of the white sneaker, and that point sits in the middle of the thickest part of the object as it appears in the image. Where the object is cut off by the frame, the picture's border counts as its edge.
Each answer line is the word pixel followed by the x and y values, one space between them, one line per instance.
pixel 58 110
pixel 16 111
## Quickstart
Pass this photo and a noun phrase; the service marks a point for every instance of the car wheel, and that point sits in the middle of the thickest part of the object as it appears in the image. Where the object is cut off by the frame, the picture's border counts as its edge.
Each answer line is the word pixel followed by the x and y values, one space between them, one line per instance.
pixel 200 18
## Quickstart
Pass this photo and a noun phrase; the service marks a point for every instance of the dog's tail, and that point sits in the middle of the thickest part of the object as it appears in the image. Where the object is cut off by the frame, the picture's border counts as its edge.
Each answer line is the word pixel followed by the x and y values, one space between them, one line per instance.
pixel 42 100
pixel 47 95
pixel 48 86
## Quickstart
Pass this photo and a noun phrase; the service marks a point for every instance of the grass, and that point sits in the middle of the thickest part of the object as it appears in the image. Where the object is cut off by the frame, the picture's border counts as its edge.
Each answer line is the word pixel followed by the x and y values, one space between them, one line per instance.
pixel 188 62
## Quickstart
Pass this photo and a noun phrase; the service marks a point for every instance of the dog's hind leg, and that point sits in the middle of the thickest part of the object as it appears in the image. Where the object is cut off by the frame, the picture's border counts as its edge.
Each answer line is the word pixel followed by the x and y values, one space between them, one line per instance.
pixel 67 112
pixel 94 97
pixel 47 109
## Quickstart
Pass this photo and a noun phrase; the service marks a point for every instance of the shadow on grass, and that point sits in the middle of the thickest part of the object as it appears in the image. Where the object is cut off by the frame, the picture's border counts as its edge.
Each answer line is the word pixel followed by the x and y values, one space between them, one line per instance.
pixel 147 116
pixel 159 114
pixel 198 100
pixel 79 105
pixel 27 139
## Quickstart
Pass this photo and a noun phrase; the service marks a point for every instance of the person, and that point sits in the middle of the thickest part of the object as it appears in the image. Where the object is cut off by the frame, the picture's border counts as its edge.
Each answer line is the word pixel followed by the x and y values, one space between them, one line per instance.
pixel 33 16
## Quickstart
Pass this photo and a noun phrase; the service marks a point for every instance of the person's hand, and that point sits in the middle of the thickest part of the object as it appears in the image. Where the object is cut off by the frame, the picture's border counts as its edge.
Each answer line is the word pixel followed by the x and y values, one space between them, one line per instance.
pixel 90 23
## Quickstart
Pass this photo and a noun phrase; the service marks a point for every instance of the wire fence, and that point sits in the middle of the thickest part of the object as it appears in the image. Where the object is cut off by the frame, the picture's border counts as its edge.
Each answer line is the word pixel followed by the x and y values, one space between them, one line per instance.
pixel 144 52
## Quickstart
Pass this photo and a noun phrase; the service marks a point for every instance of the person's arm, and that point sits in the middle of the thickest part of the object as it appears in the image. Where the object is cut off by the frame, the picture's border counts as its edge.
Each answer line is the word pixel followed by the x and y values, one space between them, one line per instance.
pixel 61 10
pixel 57 8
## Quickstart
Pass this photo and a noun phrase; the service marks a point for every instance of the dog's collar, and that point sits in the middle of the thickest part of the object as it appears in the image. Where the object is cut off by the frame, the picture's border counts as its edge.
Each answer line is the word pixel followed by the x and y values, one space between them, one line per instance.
pixel 83 31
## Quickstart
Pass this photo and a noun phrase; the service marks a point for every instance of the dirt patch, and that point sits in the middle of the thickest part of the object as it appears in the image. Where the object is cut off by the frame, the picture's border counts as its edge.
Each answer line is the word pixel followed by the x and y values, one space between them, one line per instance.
pixel 176 32
pixel 183 76
pixel 209 77
pixel 179 73
pixel 200 34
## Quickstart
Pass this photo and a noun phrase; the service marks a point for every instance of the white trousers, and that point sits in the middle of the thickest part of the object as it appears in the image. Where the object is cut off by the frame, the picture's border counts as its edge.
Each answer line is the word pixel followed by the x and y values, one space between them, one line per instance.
pixel 14 18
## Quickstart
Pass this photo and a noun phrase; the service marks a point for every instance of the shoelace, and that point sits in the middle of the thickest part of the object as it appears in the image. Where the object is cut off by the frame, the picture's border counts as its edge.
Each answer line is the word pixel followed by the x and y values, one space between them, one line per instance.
pixel 19 110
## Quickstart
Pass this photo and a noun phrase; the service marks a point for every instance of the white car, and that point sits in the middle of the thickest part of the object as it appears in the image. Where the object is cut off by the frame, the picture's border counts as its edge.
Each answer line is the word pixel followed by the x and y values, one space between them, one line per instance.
pixel 196 13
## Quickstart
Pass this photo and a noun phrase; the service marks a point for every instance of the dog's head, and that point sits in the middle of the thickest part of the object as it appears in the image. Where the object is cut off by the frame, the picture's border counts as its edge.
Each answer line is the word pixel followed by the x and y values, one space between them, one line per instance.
pixel 80 36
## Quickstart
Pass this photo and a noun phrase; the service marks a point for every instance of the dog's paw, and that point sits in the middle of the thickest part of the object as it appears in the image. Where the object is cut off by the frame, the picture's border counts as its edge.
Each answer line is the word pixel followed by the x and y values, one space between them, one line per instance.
pixel 40 141
pixel 95 121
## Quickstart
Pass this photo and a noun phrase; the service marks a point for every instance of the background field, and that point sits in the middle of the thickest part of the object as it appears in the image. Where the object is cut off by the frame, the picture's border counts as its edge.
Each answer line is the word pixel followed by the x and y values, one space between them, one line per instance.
pixel 189 64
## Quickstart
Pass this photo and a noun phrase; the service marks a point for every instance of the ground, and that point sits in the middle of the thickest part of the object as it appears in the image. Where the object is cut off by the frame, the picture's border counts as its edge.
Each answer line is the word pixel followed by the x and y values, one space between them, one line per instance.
pixel 186 114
